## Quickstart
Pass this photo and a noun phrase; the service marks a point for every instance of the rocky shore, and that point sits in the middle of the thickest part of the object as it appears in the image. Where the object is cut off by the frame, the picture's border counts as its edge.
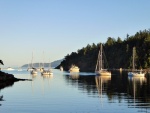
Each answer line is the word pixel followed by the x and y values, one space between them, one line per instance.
pixel 7 80
pixel 8 77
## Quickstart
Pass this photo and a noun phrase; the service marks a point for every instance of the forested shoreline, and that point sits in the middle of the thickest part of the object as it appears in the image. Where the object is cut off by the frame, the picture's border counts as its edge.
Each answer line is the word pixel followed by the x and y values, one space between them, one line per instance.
pixel 118 53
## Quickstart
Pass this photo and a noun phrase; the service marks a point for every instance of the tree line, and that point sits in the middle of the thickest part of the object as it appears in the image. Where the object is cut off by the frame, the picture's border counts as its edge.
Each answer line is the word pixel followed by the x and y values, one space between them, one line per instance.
pixel 118 53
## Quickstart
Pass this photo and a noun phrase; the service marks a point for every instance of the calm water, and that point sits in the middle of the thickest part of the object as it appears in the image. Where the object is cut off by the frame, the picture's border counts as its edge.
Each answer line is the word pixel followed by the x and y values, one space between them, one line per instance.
pixel 84 93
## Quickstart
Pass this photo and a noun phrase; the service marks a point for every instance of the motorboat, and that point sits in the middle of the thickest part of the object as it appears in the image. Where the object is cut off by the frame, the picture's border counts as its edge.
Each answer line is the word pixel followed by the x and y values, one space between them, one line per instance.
pixel 74 68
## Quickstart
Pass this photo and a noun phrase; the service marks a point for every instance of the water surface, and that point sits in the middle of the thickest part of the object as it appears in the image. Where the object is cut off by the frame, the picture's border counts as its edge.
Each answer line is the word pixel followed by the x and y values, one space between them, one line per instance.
pixel 76 93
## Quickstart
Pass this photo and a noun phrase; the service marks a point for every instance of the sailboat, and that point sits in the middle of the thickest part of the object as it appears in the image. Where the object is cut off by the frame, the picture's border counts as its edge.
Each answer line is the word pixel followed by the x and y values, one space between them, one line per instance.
pixel 40 68
pixel 99 66
pixel 34 71
pixel 29 67
pixel 47 72
pixel 134 72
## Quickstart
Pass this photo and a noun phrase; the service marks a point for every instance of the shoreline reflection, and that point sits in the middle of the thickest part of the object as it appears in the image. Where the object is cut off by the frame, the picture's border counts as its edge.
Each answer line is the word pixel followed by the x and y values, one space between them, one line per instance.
pixel 4 85
pixel 118 87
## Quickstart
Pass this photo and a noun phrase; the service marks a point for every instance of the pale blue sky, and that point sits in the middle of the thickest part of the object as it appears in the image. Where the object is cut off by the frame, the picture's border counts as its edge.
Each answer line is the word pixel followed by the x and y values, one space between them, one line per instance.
pixel 59 27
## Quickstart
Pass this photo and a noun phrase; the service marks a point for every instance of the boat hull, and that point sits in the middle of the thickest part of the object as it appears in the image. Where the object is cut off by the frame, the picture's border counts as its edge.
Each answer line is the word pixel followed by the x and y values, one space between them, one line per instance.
pixel 46 73
pixel 10 69
pixel 103 73
pixel 29 69
pixel 74 71
pixel 136 74
pixel 33 72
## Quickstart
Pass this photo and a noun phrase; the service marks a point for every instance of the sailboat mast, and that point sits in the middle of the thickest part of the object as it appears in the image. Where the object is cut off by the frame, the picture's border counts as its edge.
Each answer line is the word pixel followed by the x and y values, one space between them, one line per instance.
pixel 43 59
pixel 49 64
pixel 101 63
pixel 133 63
pixel 99 59
pixel 32 60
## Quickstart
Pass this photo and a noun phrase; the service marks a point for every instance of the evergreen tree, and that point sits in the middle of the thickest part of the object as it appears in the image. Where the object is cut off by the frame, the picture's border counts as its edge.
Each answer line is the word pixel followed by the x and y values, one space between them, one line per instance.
pixel 118 53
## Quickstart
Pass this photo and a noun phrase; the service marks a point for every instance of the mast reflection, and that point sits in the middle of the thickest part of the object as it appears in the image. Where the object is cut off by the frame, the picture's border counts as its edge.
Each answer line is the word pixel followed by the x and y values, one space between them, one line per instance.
pixel 136 85
pixel 100 84
pixel 47 76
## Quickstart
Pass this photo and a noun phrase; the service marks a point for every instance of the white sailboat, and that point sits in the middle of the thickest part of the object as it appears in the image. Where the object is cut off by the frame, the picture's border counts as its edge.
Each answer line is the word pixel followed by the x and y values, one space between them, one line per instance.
pixel 134 72
pixel 42 64
pixel 29 67
pixel 47 72
pixel 40 68
pixel 34 71
pixel 99 66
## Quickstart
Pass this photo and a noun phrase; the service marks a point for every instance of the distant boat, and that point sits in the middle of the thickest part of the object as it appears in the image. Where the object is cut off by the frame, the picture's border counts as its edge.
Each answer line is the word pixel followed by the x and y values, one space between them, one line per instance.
pixel 34 70
pixel 47 72
pixel 40 68
pixel 74 68
pixel 135 72
pixel 99 66
pixel 61 68
pixel 10 69
pixel 29 67
pixel 19 69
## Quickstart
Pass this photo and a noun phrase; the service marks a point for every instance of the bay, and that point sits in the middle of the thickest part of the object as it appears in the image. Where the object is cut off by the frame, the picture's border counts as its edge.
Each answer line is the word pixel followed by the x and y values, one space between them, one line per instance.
pixel 76 93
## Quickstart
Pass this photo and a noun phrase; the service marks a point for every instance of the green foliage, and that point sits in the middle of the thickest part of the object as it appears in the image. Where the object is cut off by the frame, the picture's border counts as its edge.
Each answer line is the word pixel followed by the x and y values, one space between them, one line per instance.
pixel 119 40
pixel 110 41
pixel 118 53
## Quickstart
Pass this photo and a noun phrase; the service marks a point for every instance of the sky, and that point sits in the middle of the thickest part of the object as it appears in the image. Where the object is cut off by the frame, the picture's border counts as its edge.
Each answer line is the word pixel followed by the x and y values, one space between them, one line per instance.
pixel 51 29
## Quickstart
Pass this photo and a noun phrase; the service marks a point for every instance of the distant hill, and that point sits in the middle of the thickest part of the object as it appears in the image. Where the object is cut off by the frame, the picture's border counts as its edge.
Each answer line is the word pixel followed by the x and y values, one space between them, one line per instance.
pixel 53 64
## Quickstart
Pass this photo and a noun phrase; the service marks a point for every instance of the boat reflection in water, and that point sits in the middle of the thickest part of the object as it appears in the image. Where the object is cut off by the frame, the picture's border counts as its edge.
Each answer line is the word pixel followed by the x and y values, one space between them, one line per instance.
pixel 101 82
pixel 74 75
pixel 47 75
pixel 136 91
pixel 33 76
